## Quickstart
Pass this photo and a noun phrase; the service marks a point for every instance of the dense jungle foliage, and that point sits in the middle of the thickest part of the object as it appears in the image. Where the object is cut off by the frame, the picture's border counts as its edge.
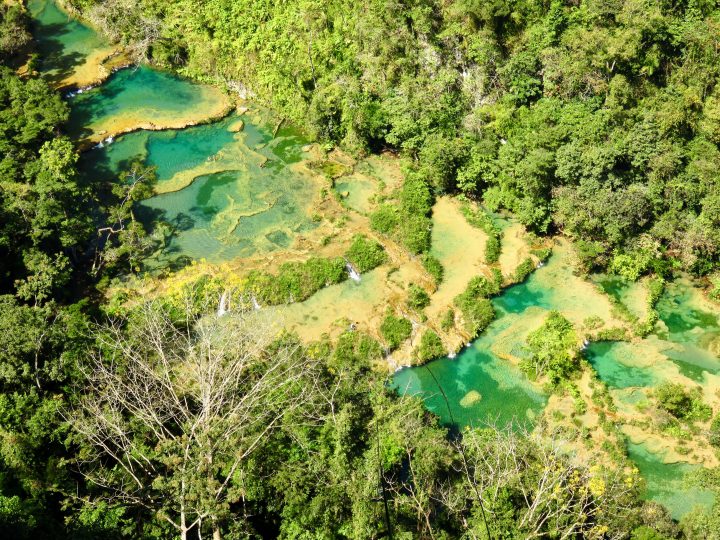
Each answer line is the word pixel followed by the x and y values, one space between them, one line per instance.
pixel 599 118
pixel 596 118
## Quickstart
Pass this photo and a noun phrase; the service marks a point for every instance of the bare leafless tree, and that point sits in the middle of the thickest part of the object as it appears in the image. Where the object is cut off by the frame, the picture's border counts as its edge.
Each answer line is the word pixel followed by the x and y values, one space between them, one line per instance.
pixel 174 405
pixel 124 21
pixel 556 493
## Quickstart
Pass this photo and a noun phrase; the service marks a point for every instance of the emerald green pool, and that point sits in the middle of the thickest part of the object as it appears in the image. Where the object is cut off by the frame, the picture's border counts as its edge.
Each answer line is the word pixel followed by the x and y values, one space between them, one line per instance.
pixel 480 388
pixel 687 334
pixel 613 363
pixel 141 97
pixel 240 193
pixel 63 43
pixel 668 483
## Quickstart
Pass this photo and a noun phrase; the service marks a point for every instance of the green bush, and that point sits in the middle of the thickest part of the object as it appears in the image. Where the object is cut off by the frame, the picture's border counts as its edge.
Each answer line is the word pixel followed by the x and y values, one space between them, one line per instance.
pixel 295 281
pixel 448 320
pixel 492 249
pixel 395 330
pixel 473 303
pixel 681 403
pixel 418 298
pixel 714 432
pixel 543 254
pixel 434 267
pixel 365 254
pixel 523 270
pixel 477 313
pixel 415 233
pixel 385 219
pixel 430 347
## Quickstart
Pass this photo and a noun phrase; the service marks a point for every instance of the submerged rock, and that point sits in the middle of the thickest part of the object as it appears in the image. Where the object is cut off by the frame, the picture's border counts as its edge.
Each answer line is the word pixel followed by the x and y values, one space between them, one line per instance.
pixel 236 127
pixel 470 399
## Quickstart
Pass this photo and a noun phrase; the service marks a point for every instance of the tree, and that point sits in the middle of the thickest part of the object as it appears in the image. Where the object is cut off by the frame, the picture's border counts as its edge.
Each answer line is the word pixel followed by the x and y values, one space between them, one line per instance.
pixel 553 349
pixel 123 239
pixel 530 488
pixel 174 405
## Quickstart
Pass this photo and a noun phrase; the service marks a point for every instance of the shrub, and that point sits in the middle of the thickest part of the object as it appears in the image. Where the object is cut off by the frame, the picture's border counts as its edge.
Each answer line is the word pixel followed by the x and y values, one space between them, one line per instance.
pixel 385 219
pixel 523 270
pixel 448 320
pixel 417 297
pixel 543 254
pixel 433 267
pixel 430 347
pixel 477 313
pixel 365 254
pixel 295 281
pixel 492 249
pixel 415 233
pixel 684 405
pixel 395 330
pixel 476 309
pixel 714 432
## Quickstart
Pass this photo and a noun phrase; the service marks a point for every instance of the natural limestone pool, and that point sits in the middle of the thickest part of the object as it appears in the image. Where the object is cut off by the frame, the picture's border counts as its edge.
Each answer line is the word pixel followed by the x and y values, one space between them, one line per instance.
pixel 222 193
pixel 482 383
pixel 70 52
pixel 141 97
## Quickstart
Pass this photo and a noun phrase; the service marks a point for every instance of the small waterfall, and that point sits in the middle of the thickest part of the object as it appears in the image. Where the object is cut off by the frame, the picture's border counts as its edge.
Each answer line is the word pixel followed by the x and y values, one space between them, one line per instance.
pixel 105 142
pixel 255 304
pixel 222 306
pixel 354 275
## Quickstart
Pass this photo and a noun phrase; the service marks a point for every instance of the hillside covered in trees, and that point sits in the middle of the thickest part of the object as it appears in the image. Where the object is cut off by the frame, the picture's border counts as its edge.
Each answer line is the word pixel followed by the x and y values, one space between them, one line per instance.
pixel 172 417
pixel 599 119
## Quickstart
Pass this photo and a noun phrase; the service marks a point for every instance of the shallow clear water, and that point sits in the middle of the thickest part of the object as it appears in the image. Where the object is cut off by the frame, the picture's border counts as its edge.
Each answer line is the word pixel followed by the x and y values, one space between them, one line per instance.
pixel 613 363
pixel 63 43
pixel 684 339
pixel 236 200
pixel 141 96
pixel 666 483
pixel 687 334
pixel 480 388
pixel 356 191
pixel 693 331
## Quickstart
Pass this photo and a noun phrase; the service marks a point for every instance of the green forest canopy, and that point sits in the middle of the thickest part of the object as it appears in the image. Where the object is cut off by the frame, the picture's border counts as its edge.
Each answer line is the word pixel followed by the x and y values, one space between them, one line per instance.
pixel 598 118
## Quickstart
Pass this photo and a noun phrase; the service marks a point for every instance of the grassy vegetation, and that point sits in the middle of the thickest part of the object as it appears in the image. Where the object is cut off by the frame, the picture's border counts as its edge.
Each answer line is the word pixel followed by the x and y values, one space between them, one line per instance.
pixel 395 330
pixel 295 281
pixel 418 298
pixel 430 347
pixel 434 267
pixel 365 254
